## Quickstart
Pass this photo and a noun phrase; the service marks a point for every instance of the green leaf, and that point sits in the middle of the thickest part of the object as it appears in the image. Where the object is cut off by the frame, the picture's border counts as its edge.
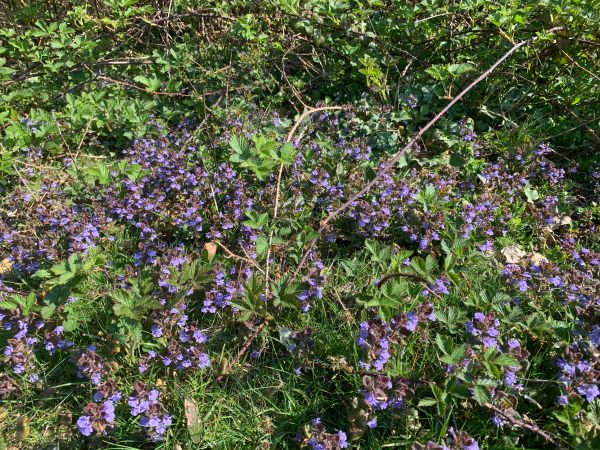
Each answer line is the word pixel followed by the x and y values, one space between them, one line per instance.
pixel 57 295
pixel 288 154
pixel 153 84
pixel 444 343
pixel 379 252
pixel 396 289
pixel 262 245
pixel 457 70
pixel 531 194
pixel 456 160
pixel 8 304
pixel 47 311
pixel 431 264
pixel 427 401
pixel 256 220
pixel 239 144
pixel 506 360
pixel 481 394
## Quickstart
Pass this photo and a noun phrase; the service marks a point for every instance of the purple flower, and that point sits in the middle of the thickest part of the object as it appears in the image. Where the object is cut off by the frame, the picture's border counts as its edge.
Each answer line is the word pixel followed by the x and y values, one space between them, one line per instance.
pixel 589 391
pixel 497 421
pixel 156 330
pixel 199 337
pixel 203 361
pixel 343 442
pixel 84 425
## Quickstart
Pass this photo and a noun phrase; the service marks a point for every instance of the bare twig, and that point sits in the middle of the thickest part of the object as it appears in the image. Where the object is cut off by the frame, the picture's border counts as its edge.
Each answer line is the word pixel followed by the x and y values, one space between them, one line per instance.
pixel 238 257
pixel 580 66
pixel 12 291
pixel 244 347
pixel 531 426
pixel 133 86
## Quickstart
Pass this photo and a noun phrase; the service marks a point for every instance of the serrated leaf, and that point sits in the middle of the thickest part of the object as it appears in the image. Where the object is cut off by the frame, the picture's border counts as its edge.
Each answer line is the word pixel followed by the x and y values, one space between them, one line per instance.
pixel 444 343
pixel 47 311
pixel 427 401
pixel 481 394
pixel 431 264
pixel 239 144
pixel 57 295
pixel 8 304
pixel 395 290
pixel 262 245
pixel 506 360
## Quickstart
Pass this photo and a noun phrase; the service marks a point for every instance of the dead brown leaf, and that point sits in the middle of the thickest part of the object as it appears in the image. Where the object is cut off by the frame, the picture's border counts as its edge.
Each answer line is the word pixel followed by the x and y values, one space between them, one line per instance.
pixel 211 249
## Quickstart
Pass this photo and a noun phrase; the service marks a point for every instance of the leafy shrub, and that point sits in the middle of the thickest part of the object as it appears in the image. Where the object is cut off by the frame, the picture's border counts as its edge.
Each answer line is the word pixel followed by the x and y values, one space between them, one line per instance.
pixel 186 261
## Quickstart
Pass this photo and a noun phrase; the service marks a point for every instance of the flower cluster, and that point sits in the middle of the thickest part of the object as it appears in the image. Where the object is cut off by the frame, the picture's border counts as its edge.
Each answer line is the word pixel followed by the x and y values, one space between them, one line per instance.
pixel 381 392
pixel 315 437
pixel 182 339
pixel 315 280
pixel 8 387
pixel 146 402
pixel 91 365
pixel 97 418
pixel 580 371
pixel 454 440
pixel 49 226
pixel 484 327
pixel 378 338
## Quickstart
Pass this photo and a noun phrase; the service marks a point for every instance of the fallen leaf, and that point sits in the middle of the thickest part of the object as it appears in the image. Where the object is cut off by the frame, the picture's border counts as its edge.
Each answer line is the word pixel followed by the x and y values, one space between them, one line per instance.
pixel 224 368
pixel 358 417
pixel 538 259
pixel 513 254
pixel 22 428
pixel 5 266
pixel 561 221
pixel 211 249
pixel 192 418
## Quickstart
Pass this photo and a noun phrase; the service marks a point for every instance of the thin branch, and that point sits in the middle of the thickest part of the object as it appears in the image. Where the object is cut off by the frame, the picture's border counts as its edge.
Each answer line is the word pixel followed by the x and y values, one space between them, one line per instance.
pixel 531 426
pixel 580 66
pixel 238 257
pixel 133 86
pixel 244 347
